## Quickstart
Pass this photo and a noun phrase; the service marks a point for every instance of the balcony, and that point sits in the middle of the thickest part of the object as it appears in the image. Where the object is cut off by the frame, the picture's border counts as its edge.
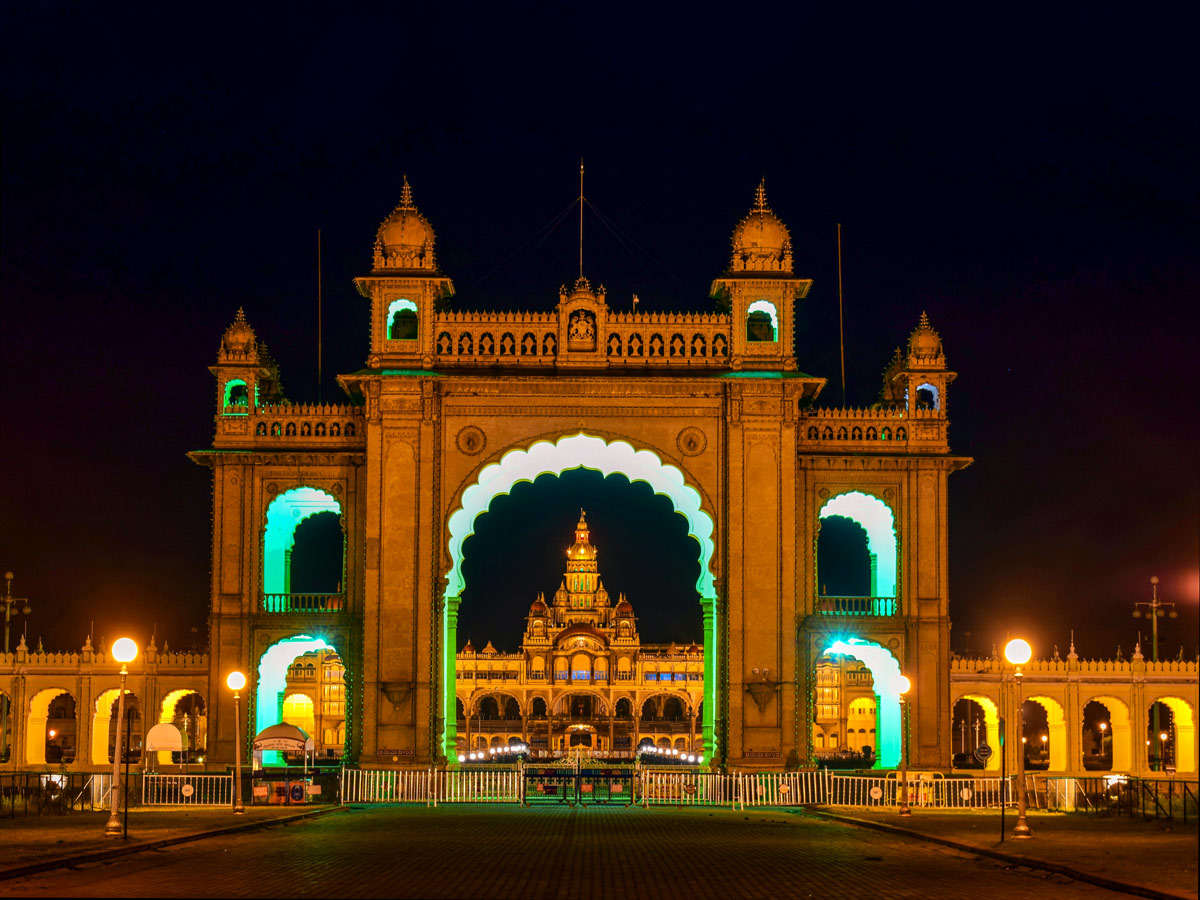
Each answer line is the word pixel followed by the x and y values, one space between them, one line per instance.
pixel 285 604
pixel 856 606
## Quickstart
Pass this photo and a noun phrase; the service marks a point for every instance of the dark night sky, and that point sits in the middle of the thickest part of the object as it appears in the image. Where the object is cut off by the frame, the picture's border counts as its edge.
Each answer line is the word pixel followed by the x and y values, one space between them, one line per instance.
pixel 1030 182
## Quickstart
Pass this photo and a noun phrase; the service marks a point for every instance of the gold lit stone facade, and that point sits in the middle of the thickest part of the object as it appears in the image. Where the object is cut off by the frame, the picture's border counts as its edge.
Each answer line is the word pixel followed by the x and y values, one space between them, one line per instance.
pixel 582 676
pixel 711 407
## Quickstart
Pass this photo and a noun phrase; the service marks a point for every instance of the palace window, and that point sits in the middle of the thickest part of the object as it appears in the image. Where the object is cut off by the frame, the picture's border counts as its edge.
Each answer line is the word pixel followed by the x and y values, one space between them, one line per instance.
pixel 762 321
pixel 402 320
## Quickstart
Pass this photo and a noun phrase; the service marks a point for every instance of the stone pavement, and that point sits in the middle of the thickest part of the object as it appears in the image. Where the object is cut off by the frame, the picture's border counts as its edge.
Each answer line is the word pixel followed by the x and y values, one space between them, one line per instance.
pixel 474 851
pixel 1155 853
pixel 36 838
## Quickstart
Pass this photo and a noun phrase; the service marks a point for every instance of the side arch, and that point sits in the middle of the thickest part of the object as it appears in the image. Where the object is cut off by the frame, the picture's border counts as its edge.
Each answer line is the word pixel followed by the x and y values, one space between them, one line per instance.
pixel 991 724
pixel 1184 717
pixel 39 713
pixel 284 513
pixel 1056 728
pixel 885 671
pixel 878 520
pixel 1121 733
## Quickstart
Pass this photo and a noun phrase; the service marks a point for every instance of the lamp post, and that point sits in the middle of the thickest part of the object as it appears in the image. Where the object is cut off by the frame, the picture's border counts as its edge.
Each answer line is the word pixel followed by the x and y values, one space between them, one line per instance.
pixel 1162 750
pixel 236 682
pixel 1155 610
pixel 124 651
pixel 1018 652
pixel 902 686
pixel 1103 734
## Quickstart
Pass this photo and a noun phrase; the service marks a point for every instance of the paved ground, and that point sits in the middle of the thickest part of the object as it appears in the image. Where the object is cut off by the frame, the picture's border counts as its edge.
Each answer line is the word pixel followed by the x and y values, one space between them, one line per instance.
pixel 35 838
pixel 1156 853
pixel 556 853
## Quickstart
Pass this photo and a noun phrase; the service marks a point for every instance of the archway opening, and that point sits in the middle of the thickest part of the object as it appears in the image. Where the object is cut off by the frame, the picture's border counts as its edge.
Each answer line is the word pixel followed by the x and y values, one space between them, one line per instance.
pixel 104 727
pixel 1044 734
pixel 6 724
pixel 762 321
pixel 844 727
pixel 884 682
pixel 402 320
pixel 51 733
pixel 976 723
pixel 590 457
pixel 185 710
pixel 1177 721
pixel 284 516
pixel 1105 737
pixel 876 519
pixel 845 566
pixel 277 680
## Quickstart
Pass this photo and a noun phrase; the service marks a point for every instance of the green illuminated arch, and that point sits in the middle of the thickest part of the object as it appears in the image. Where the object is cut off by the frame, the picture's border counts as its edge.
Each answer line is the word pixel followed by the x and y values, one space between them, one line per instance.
pixel 581 451
pixel 395 309
pixel 877 520
pixel 272 680
pixel 284 514
pixel 885 671
pixel 241 402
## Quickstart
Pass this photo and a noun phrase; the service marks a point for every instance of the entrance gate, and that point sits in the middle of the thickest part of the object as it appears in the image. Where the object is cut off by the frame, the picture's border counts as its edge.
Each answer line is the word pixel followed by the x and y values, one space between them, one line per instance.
pixel 453 407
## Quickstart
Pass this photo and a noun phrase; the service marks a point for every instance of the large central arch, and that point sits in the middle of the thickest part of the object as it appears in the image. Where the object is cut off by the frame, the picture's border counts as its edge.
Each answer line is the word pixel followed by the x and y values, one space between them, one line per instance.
pixel 580 451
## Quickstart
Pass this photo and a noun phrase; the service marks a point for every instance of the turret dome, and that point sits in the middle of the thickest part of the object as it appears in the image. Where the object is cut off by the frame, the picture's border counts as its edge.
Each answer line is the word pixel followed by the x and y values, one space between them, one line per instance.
pixel 239 339
pixel 925 347
pixel 405 238
pixel 761 242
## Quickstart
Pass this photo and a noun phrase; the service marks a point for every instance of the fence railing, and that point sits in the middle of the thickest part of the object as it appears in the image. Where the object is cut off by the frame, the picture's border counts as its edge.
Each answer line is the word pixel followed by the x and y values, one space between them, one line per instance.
pixel 1121 795
pixel 49 794
pixel 687 788
pixel 187 790
pixel 303 603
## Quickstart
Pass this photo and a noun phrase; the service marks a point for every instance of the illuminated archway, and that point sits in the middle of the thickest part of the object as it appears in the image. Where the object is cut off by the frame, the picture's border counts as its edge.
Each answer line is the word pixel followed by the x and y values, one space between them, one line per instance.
pixel 885 670
pixel 401 311
pixel 1184 722
pixel 580 451
pixel 1056 729
pixel 991 725
pixel 299 710
pixel 285 512
pixel 167 715
pixel 104 718
pixel 877 520
pixel 1120 739
pixel 762 311
pixel 6 726
pixel 272 681
pixel 35 732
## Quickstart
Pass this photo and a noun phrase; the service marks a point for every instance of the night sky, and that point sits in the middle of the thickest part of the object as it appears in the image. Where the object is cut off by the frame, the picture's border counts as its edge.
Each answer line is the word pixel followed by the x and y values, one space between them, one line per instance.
pixel 1030 182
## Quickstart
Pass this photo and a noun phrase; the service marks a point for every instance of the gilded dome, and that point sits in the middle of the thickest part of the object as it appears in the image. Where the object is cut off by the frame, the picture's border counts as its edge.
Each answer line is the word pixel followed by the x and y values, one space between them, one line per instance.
pixel 924 346
pixel 761 242
pixel 239 338
pixel 405 238
pixel 539 608
pixel 623 609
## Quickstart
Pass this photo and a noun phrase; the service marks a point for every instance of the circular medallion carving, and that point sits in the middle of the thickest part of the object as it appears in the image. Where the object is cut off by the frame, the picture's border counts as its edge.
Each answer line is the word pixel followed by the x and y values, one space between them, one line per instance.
pixel 691 441
pixel 471 440
pixel 272 488
pixel 337 487
pixel 823 493
pixel 888 494
pixel 233 479
pixel 894 643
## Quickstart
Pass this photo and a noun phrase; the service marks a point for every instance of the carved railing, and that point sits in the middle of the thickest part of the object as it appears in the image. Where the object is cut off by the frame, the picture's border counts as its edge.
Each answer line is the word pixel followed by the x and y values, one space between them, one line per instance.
pixel 876 430
pixel 489 338
pixel 328 424
pixel 856 606
pixel 303 603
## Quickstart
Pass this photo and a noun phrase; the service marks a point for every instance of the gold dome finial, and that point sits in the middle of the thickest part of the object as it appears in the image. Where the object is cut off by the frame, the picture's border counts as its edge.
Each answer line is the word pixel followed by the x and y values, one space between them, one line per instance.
pixel 760 197
pixel 406 201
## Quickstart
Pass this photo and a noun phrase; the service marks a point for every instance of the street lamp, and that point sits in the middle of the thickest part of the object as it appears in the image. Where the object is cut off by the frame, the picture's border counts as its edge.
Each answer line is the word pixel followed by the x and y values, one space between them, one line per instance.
pixel 1103 734
pixel 124 651
pixel 1018 652
pixel 903 685
pixel 1155 610
pixel 236 681
pixel 1162 750
pixel 9 602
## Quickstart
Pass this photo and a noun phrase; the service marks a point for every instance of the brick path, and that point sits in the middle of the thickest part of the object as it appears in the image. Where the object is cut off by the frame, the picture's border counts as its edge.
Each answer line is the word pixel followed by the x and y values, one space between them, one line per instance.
pixel 556 853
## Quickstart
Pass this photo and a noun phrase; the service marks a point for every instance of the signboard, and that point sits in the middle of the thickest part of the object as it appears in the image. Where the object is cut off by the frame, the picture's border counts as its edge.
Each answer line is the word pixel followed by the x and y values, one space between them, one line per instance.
pixel 187 790
pixel 983 753
pixel 280 743
pixel 163 736
pixel 876 792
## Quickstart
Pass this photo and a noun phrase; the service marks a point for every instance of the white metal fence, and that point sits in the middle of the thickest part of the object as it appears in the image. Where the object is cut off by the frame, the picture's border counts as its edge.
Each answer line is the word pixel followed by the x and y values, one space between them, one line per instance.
pixel 680 787
pixel 187 790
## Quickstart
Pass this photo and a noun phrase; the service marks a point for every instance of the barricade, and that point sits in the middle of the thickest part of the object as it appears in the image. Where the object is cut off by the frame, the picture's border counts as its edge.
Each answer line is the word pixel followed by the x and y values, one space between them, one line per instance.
pixel 477 786
pixel 679 787
pixel 187 790
pixel 387 786
pixel 784 788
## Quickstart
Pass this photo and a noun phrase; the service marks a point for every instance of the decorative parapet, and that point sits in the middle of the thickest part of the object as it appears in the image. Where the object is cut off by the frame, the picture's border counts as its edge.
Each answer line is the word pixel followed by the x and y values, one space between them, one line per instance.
pixel 272 425
pixel 874 430
pixel 162 661
pixel 1122 667
pixel 609 340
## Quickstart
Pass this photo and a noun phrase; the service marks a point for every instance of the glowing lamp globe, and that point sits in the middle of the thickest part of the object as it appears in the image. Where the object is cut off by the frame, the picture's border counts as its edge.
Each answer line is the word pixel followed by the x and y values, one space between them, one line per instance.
pixel 236 681
pixel 903 685
pixel 124 650
pixel 1017 651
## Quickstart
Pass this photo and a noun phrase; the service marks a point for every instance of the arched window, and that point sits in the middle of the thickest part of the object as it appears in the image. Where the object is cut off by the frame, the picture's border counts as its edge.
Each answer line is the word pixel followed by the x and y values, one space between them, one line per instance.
pixel 402 320
pixel 928 397
pixel 237 395
pixel 859 515
pixel 762 321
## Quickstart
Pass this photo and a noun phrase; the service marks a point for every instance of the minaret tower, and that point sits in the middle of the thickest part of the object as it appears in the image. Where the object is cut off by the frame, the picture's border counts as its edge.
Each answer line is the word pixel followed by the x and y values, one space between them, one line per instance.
pixel 582 575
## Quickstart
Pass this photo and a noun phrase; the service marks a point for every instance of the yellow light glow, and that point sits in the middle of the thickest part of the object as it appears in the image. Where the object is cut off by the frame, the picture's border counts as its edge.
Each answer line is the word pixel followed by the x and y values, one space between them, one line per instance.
pixel 1162 736
pixel 1017 651
pixel 124 650
pixel 236 681
pixel 903 685
pixel 52 733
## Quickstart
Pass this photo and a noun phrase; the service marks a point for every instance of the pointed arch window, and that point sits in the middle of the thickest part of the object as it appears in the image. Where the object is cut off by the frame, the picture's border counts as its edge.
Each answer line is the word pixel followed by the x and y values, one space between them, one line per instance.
pixel 402 320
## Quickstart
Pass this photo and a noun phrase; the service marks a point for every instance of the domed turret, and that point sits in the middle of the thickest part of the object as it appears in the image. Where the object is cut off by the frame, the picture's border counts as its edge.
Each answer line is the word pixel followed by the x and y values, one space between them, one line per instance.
pixel 925 347
pixel 405 238
pixel 583 550
pixel 239 340
pixel 539 607
pixel 623 609
pixel 761 242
